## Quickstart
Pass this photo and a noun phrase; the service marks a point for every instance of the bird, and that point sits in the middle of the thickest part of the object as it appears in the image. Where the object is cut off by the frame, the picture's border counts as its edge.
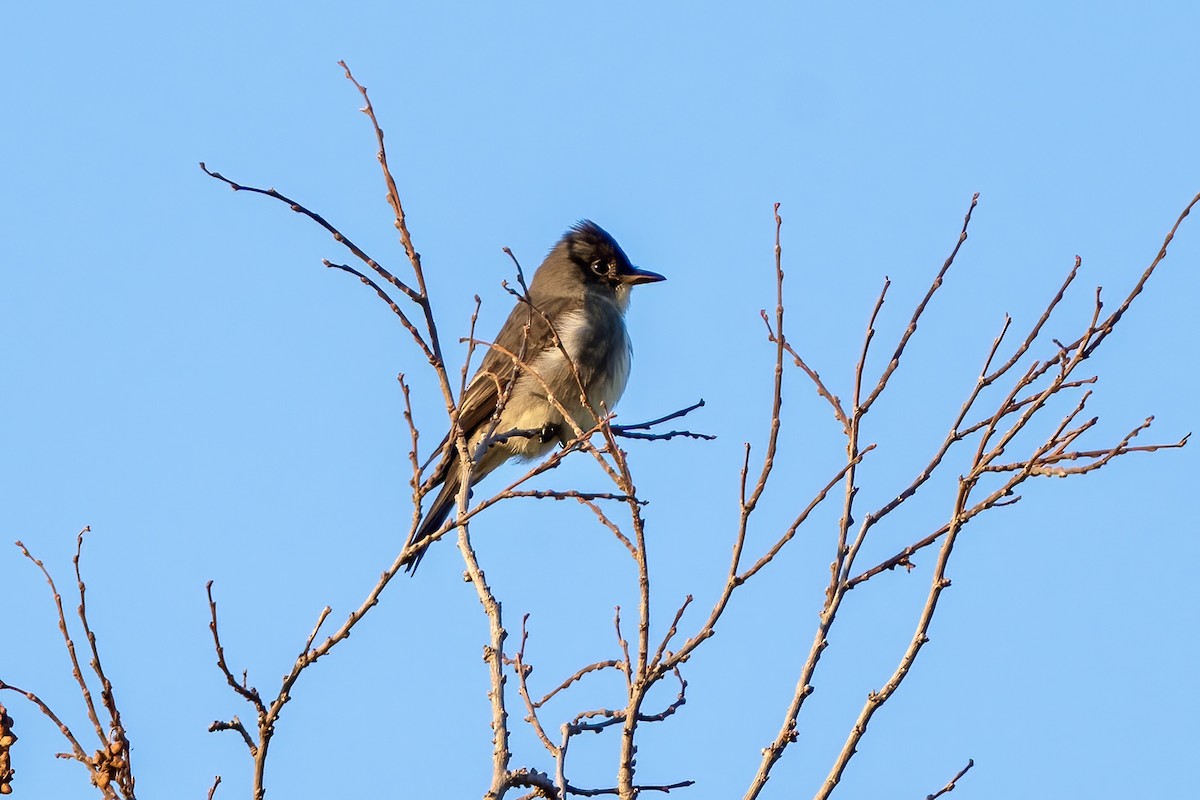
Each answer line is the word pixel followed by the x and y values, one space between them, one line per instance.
pixel 576 309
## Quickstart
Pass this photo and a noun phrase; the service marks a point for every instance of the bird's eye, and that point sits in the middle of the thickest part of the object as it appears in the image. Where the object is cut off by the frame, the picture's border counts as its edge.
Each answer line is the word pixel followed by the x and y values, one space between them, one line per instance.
pixel 600 268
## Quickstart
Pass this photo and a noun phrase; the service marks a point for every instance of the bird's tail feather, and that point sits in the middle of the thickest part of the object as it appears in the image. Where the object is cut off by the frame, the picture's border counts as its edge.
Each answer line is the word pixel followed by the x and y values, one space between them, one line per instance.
pixel 443 504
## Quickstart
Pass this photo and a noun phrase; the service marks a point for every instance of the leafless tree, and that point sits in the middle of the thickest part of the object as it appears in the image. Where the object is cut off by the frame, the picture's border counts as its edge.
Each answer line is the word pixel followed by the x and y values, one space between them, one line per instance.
pixel 987 440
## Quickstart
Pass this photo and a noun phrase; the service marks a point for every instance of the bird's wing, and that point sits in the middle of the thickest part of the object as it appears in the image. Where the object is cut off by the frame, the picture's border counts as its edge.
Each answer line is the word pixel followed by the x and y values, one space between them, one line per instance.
pixel 479 401
pixel 490 380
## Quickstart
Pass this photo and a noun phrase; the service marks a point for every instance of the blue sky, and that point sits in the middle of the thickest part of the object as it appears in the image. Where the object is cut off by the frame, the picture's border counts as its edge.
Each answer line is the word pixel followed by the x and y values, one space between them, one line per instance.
pixel 182 374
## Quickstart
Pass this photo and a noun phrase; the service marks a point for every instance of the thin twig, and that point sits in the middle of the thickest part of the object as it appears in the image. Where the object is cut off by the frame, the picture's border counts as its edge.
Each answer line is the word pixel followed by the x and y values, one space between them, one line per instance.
pixel 952 783
pixel 494 657
pixel 912 323
pixel 69 643
pixel 522 670
pixel 578 675
pixel 249 694
pixel 571 494
pixel 76 748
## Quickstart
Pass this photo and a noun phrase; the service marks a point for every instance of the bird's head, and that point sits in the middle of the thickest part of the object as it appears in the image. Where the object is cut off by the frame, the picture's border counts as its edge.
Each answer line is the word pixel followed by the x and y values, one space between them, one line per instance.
pixel 588 257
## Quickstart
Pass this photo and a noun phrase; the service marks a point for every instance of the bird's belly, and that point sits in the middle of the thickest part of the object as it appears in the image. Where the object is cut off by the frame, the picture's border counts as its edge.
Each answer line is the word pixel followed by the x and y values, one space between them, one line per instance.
pixel 608 384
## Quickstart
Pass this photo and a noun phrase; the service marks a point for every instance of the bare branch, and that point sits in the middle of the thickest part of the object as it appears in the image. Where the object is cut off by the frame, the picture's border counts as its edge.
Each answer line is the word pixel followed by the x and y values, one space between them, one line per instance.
pixel 626 662
pixel 386 298
pixel 736 579
pixel 493 656
pixel 662 647
pixel 919 639
pixel 249 694
pixel 568 494
pixel 522 671
pixel 625 433
pixel 833 400
pixel 578 675
pixel 114 765
pixel 632 431
pixel 108 767
pixel 76 748
pixel 950 786
pixel 683 412
pixel 76 671
pixel 664 787
pixel 912 323
pixel 393 194
pixel 235 724
pixel 1107 327
pixel 1036 330
pixel 338 236
pixel 749 503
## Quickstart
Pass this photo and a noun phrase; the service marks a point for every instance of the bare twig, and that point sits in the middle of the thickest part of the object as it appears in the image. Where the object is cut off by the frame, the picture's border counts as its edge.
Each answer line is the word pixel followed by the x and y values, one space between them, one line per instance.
pixel 235 724
pixel 626 663
pixel 108 767
pixel 833 400
pixel 634 431
pixel 578 675
pixel 393 194
pixel 645 426
pixel 317 218
pixel 69 643
pixel 522 671
pixel 736 579
pixel 569 494
pixel 247 693
pixel 912 323
pixel 115 764
pixel 493 656
pixel 78 753
pixel 671 631
pixel 876 699
pixel 662 787
pixel 1111 322
pixel 952 783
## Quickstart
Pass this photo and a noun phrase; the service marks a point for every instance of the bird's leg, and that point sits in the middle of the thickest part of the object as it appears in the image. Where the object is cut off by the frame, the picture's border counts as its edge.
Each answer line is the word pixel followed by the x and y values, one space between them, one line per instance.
pixel 543 434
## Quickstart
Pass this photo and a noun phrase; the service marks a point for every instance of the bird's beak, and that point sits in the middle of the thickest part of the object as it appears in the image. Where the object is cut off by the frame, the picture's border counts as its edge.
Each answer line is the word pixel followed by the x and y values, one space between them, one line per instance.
pixel 635 276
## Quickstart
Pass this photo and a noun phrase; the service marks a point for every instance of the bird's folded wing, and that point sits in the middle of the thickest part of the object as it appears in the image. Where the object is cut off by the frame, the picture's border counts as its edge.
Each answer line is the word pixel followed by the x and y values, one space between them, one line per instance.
pixel 482 395
pixel 479 402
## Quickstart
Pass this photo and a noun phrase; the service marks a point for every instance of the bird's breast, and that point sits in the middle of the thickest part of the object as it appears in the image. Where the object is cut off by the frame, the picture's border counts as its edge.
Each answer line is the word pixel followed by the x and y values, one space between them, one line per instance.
pixel 595 340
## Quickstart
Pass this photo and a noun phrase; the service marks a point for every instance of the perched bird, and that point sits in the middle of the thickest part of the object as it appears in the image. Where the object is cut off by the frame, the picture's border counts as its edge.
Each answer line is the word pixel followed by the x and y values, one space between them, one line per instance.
pixel 579 293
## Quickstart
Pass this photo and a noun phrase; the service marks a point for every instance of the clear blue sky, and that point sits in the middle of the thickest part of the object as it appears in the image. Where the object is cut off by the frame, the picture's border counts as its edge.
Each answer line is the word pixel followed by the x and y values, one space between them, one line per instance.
pixel 181 373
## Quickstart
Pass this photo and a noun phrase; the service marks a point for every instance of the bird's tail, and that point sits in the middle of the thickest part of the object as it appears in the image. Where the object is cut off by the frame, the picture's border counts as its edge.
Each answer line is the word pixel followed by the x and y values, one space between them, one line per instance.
pixel 434 517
